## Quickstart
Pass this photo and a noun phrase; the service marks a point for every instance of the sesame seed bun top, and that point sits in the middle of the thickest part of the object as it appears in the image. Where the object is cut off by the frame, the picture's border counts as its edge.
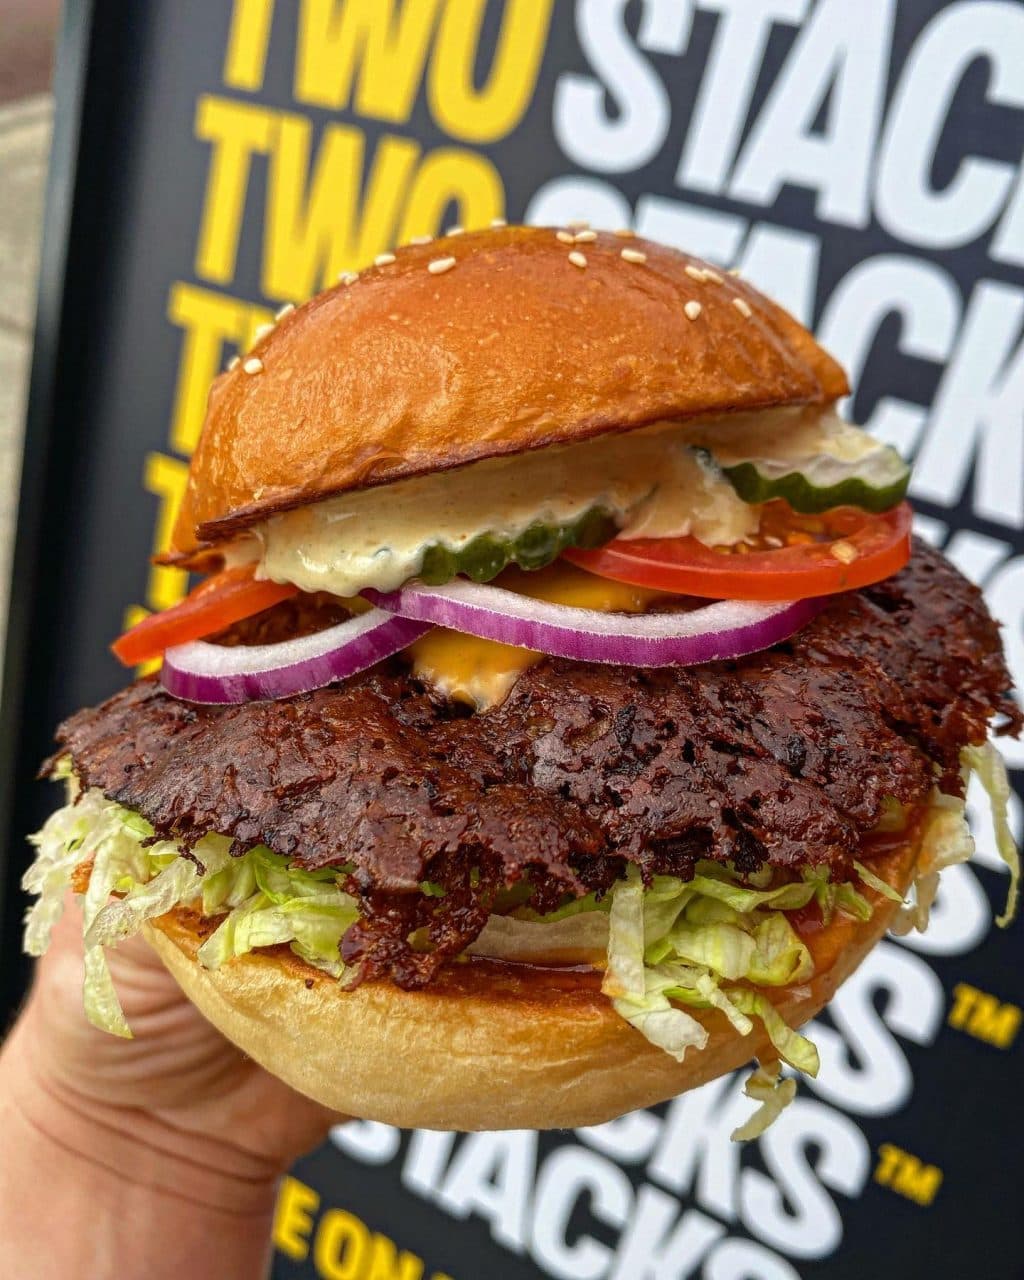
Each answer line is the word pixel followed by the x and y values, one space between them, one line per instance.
pixel 525 340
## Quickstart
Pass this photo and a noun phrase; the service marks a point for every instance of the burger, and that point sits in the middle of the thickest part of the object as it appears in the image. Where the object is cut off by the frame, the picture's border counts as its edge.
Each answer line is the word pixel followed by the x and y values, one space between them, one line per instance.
pixel 563 712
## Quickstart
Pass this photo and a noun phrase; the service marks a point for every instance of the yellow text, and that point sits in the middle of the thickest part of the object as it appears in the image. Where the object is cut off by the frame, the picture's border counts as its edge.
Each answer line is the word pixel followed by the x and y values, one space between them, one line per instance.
pixel 365 46
pixel 984 1016
pixel 293 1218
pixel 245 60
pixel 343 1247
pixel 165 477
pixel 210 322
pixel 371 56
pixel 907 1175
pixel 329 207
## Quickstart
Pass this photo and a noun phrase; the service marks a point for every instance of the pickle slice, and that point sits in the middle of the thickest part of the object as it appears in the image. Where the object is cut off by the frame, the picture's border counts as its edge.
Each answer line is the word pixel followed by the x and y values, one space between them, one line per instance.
pixel 540 544
pixel 877 481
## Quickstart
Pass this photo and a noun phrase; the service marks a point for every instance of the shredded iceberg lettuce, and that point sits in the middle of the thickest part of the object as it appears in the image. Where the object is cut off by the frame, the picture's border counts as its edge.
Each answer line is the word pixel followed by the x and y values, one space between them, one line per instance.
pixel 792 1047
pixel 639 992
pixel 831 895
pixel 102 1007
pixel 780 957
pixel 151 890
pixel 131 881
pixel 92 830
pixel 988 764
pixel 304 909
pixel 774 1092
pixel 269 902
pixel 876 882
pixel 946 839
pixel 681 940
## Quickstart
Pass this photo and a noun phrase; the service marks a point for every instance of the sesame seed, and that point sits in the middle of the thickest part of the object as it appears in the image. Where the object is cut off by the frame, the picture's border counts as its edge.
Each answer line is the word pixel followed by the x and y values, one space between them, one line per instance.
pixel 421 240
pixel 261 331
pixel 440 265
pixel 633 255
pixel 286 310
pixel 566 237
pixel 695 273
pixel 577 259
pixel 845 552
pixel 383 259
pixel 743 307
pixel 770 540
pixel 733 271
pixel 455 231
pixel 627 233
pixel 585 237
pixel 498 222
pixel 713 276
pixel 234 362
pixel 348 277
pixel 253 365
pixel 578 224
pixel 692 309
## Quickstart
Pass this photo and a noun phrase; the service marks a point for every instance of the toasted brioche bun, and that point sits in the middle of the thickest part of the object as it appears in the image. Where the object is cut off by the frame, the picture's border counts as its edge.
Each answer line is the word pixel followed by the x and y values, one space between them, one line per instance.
pixel 406 372
pixel 488 1045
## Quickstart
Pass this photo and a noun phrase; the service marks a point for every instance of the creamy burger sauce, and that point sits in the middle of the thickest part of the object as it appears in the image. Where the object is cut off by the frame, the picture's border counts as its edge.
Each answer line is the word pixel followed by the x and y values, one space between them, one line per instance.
pixel 788 436
pixel 650 481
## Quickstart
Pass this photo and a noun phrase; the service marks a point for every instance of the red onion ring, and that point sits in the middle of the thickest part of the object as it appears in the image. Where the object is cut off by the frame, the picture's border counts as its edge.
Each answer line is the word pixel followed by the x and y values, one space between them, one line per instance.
pixel 725 629
pixel 210 673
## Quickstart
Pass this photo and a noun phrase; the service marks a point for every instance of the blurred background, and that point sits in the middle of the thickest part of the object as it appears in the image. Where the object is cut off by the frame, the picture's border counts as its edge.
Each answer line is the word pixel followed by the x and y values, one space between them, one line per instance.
pixel 28 31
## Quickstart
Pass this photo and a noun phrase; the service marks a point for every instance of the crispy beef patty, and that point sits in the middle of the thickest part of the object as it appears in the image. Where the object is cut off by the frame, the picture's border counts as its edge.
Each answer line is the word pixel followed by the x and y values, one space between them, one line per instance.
pixel 783 758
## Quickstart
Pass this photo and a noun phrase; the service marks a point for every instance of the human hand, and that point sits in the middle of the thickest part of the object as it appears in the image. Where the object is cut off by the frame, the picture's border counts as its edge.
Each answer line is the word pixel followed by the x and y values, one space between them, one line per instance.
pixel 178 1069
pixel 151 1147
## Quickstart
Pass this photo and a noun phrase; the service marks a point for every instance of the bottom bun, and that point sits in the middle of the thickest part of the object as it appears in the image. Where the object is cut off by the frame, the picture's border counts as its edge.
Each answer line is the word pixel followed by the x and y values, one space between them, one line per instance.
pixel 488 1045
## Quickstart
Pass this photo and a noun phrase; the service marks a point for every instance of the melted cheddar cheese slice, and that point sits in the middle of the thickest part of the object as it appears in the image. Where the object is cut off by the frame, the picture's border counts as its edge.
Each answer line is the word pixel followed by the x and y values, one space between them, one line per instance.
pixel 482 672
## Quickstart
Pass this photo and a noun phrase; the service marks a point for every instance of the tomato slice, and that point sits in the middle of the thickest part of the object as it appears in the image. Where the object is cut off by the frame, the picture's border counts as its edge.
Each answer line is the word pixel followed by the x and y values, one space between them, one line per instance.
pixel 793 557
pixel 227 597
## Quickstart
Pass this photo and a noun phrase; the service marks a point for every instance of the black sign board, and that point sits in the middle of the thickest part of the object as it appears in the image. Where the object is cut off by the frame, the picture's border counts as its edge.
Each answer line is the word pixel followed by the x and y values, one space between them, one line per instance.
pixel 861 161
